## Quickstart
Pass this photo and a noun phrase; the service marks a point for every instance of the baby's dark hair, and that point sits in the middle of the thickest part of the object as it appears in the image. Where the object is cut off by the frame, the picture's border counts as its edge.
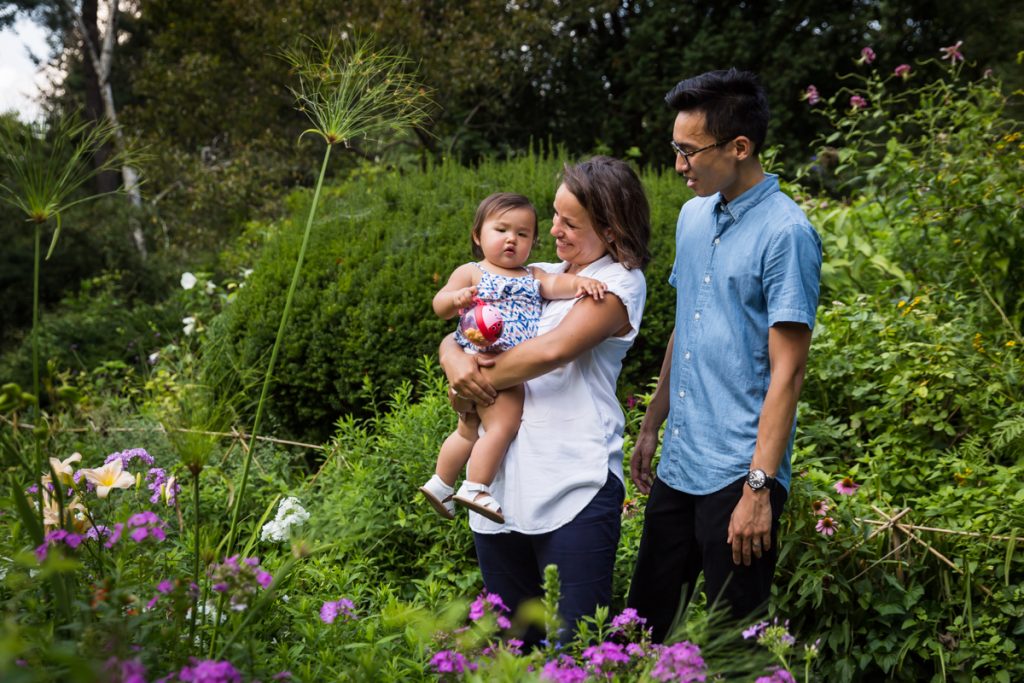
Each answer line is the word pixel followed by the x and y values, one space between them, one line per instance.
pixel 733 101
pixel 495 205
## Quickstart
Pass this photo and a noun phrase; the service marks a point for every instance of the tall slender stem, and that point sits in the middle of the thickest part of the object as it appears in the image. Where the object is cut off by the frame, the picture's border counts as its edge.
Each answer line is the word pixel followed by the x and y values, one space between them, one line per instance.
pixel 35 368
pixel 195 561
pixel 233 530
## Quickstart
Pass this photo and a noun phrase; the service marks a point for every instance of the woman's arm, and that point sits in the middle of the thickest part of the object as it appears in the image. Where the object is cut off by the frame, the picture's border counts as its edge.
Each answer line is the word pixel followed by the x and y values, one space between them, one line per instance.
pixel 585 326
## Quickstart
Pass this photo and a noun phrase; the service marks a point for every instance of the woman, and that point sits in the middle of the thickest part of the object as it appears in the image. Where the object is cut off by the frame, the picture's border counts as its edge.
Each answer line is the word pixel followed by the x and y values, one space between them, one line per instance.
pixel 561 482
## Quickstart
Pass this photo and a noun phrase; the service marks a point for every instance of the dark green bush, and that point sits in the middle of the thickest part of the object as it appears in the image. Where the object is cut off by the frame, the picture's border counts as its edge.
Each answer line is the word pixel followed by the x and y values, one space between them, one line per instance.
pixel 382 246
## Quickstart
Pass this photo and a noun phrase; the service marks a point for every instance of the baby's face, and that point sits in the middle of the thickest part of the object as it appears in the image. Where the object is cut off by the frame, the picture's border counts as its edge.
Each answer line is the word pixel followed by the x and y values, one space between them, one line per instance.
pixel 506 239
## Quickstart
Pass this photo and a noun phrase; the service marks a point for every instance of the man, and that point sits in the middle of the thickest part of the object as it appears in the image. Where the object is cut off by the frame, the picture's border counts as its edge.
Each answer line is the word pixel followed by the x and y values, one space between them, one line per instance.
pixel 746 275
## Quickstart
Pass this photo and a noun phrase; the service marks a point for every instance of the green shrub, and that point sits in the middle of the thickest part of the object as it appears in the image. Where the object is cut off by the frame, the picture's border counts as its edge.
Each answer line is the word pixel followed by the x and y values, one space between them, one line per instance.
pixel 384 245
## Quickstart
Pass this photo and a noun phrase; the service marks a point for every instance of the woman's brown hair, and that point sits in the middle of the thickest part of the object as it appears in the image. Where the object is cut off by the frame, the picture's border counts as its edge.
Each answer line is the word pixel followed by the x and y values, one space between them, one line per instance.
pixel 612 195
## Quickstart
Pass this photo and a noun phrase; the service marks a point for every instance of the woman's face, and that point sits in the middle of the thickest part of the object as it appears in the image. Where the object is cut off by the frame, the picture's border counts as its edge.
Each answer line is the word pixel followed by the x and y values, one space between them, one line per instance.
pixel 576 240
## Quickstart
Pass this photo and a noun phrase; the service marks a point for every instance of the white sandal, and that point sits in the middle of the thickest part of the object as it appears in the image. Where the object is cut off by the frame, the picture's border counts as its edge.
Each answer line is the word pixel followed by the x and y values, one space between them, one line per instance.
pixel 439 495
pixel 468 496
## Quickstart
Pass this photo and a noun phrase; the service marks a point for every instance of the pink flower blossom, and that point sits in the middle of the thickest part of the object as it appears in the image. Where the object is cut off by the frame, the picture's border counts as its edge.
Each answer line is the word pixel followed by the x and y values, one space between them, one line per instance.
pixel 605 656
pixel 858 102
pixel 846 486
pixel 779 675
pixel 209 671
pixel 867 55
pixel 490 602
pixel 826 526
pixel 952 53
pixel 820 507
pixel 563 670
pixel 811 95
pixel 679 662
pixel 755 631
pixel 329 611
pixel 903 71
pixel 450 661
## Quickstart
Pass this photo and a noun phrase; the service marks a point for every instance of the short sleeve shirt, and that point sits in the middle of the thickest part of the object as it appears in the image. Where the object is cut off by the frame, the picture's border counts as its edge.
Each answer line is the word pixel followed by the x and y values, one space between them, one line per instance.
pixel 571 435
pixel 740 268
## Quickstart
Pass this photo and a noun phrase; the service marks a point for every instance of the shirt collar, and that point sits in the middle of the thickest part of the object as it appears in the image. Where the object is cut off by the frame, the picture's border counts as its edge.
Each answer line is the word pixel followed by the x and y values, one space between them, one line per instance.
pixel 749 199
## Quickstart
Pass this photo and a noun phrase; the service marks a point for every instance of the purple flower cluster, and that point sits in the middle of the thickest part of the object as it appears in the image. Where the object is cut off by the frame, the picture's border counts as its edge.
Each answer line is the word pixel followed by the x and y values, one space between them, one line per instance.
pixel 204 671
pixel 563 670
pixel 157 481
pixel 54 538
pixel 329 611
pixel 127 456
pixel 124 671
pixel 490 602
pixel 239 580
pixel 450 661
pixel 679 662
pixel 145 525
pixel 779 675
pixel 166 587
pixel 606 657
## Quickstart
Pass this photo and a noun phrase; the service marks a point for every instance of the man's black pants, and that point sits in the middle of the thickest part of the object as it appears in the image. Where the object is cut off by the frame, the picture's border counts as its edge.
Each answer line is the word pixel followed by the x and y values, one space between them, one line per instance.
pixel 685 534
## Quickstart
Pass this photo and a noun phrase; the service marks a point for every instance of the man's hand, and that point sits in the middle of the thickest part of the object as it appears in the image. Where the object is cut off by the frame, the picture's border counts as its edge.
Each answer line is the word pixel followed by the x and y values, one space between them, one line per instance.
pixel 750 527
pixel 640 461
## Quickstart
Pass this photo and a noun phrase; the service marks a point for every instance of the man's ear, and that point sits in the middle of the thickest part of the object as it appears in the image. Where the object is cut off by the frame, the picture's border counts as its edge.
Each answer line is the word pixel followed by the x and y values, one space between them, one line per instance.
pixel 744 147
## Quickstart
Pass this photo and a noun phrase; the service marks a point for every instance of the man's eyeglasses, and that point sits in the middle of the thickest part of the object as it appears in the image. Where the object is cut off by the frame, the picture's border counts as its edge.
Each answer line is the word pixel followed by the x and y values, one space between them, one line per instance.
pixel 686 155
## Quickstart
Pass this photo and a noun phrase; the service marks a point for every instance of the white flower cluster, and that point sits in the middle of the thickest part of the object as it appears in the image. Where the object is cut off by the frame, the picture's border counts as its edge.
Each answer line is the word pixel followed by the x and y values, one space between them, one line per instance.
pixel 289 514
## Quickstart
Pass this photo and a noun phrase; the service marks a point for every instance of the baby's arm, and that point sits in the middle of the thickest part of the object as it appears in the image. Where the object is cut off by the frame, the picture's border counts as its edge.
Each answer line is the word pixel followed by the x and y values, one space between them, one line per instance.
pixel 457 294
pixel 566 286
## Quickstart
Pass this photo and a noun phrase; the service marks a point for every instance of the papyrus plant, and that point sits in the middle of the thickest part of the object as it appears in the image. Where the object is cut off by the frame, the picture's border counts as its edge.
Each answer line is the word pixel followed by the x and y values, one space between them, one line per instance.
pixel 44 171
pixel 351 91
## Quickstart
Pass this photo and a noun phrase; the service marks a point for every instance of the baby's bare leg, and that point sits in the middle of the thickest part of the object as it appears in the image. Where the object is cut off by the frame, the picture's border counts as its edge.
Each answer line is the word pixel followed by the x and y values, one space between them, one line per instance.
pixel 501 424
pixel 456 449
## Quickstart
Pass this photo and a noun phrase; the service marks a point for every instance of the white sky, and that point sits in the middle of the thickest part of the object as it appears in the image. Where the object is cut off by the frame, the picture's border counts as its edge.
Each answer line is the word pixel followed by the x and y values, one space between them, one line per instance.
pixel 19 80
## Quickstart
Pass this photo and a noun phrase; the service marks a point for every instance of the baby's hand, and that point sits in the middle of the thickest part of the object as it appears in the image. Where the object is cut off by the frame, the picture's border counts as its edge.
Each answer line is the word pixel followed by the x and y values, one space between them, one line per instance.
pixel 463 298
pixel 590 286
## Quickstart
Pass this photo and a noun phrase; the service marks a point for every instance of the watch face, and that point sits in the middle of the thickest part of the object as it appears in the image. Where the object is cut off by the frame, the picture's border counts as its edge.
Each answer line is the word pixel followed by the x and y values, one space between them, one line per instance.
pixel 756 479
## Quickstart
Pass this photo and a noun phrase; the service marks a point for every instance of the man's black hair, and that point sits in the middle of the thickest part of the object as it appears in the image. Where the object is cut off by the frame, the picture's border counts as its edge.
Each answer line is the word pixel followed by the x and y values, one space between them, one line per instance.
pixel 734 103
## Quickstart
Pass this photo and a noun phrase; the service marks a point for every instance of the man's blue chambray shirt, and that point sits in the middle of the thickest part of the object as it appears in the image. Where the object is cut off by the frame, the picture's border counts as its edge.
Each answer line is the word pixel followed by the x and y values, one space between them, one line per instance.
pixel 740 268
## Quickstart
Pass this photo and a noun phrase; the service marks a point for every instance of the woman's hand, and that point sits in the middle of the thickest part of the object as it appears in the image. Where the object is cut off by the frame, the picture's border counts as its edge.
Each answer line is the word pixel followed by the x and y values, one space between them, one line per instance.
pixel 464 375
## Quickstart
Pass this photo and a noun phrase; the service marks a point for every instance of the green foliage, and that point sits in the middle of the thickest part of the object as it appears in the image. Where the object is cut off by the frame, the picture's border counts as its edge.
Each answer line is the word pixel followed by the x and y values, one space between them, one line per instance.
pixel 385 245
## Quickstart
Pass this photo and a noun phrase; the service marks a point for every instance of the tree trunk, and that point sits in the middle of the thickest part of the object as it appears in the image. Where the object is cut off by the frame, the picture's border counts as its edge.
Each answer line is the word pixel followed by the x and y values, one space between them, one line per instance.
pixel 99 58
pixel 94 109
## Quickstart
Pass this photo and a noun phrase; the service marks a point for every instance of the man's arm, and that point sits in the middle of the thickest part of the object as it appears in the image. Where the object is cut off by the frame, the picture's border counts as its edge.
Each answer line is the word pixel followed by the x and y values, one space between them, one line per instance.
pixel 654 417
pixel 751 522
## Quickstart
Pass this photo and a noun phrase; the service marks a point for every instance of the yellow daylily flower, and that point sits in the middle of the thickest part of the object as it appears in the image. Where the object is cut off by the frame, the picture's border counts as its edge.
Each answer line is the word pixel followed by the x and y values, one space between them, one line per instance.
pixel 73 511
pixel 110 476
pixel 63 467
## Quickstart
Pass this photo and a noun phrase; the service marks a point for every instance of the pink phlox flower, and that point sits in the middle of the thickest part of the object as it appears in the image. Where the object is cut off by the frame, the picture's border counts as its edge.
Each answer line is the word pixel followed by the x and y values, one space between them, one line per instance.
pixel 329 611
pixel 514 645
pixel 56 537
pixel 635 650
pixel 239 580
pixel 867 55
pixel 779 675
pixel 114 536
pixel 826 526
pixel 264 579
pixel 605 654
pixel 631 402
pixel 680 662
pixel 903 71
pixel 209 671
pixel 490 602
pixel 165 586
pixel 449 661
pixel 563 670
pixel 755 631
pixel 858 102
pixel 124 671
pixel 145 525
pixel 163 487
pixel 811 95
pixel 846 486
pixel 131 454
pixel 952 53
pixel 628 617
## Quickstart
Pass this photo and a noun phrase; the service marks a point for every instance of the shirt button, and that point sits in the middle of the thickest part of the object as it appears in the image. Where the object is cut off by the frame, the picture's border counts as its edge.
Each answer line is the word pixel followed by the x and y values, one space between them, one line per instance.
pixel 707 279
pixel 675 432
pixel 682 394
pixel 717 240
pixel 696 316
pixel 686 356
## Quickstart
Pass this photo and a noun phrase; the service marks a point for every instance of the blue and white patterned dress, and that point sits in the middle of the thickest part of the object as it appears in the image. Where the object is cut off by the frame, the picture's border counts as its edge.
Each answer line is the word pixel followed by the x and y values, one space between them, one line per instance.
pixel 519 301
